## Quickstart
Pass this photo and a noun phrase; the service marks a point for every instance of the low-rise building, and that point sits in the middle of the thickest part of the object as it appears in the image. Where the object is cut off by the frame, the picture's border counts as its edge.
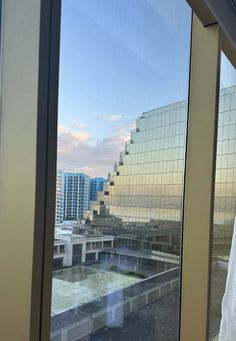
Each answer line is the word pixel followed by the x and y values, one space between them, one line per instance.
pixel 72 249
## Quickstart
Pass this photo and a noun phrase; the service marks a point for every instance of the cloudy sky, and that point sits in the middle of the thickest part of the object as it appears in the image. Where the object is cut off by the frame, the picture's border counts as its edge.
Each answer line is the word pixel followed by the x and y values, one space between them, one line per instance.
pixel 118 59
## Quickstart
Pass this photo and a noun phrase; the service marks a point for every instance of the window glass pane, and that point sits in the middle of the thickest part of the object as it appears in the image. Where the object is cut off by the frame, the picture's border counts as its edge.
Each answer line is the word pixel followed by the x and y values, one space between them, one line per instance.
pixel 225 191
pixel 124 71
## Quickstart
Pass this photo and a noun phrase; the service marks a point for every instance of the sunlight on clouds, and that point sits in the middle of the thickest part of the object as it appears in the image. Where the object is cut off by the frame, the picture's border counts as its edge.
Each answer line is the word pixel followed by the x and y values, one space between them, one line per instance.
pixel 78 152
pixel 111 117
pixel 77 124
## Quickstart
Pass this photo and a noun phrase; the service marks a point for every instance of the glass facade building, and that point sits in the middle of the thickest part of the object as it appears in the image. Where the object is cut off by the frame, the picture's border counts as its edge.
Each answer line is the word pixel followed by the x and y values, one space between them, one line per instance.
pixel 147 183
pixel 225 182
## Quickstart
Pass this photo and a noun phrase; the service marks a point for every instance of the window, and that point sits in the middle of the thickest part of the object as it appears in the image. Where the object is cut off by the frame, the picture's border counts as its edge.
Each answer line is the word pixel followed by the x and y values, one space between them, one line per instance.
pixel 225 191
pixel 61 248
pixel 124 71
pixel 122 117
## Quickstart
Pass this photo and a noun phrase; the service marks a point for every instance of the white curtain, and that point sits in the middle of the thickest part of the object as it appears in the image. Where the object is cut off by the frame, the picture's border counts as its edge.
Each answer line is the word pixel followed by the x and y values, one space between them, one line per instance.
pixel 228 321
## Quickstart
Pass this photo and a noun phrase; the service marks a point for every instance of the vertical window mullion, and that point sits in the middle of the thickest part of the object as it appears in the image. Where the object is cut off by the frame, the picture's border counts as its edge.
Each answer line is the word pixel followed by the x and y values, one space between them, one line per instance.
pixel 199 180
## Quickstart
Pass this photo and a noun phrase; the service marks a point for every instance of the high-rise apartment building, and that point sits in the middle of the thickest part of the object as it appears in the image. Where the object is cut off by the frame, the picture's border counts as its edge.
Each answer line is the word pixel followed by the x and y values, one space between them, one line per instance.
pixel 76 195
pixel 96 185
pixel 59 196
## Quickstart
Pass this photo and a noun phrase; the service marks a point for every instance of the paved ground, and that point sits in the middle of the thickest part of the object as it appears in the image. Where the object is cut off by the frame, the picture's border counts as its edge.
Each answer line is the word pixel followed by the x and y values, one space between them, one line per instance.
pixel 126 267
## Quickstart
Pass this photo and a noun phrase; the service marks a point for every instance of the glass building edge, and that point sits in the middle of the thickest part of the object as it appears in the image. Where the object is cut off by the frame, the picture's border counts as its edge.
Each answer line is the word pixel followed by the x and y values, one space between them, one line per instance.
pixel 147 155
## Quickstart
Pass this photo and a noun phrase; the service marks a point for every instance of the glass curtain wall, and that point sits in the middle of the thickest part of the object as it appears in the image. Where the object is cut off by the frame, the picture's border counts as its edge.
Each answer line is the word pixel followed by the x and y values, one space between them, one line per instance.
pixel 225 191
pixel 124 71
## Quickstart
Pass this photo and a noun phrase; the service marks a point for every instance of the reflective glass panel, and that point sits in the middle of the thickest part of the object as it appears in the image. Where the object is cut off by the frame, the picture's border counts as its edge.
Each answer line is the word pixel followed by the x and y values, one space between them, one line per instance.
pixel 124 70
pixel 225 191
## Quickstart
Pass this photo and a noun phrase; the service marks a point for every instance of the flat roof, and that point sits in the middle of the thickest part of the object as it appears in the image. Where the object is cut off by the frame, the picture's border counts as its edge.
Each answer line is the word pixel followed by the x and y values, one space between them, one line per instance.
pixel 156 257
pixel 79 285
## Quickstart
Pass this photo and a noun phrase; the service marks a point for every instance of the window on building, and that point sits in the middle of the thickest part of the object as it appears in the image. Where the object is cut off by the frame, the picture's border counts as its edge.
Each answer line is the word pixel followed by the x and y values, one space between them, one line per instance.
pixel 62 248
pixel 107 244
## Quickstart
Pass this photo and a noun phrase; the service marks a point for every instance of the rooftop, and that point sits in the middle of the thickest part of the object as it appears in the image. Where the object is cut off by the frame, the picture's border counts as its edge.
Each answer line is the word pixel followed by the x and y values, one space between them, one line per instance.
pixel 79 285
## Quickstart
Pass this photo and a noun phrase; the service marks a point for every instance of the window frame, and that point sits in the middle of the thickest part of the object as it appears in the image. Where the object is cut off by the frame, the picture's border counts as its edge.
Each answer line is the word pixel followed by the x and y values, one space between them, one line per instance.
pixel 193 312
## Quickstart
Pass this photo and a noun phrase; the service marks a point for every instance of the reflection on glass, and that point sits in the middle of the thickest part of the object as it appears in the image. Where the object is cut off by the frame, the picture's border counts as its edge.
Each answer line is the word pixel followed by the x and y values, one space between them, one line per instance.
pixel 122 121
pixel 225 190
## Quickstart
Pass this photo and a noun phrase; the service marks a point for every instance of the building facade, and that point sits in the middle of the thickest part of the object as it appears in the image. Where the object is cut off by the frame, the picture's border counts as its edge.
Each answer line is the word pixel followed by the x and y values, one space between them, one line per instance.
pixel 59 197
pixel 147 182
pixel 78 249
pixel 76 195
pixel 96 185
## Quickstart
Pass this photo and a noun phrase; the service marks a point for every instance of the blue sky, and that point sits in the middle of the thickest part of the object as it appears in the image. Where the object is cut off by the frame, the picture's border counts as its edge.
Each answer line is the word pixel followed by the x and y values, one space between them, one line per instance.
pixel 227 74
pixel 118 59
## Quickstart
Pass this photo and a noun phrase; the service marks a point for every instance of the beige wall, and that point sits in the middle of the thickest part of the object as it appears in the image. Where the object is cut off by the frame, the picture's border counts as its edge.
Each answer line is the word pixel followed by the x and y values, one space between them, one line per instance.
pixel 17 164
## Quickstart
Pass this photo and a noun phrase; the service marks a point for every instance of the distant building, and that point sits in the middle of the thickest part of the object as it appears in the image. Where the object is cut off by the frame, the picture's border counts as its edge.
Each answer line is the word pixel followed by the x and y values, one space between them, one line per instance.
pixel 59 196
pixel 76 195
pixel 71 249
pixel 76 249
pixel 96 184
pixel 147 181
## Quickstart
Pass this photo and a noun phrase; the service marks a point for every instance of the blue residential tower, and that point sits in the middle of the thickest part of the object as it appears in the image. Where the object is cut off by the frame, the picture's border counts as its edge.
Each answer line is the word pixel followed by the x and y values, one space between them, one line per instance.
pixel 96 185
pixel 76 195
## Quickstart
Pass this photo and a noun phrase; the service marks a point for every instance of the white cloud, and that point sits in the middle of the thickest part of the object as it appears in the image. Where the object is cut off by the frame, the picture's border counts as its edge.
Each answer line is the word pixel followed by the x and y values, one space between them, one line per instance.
pixel 77 153
pixel 69 134
pixel 79 125
pixel 114 117
pixel 111 117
